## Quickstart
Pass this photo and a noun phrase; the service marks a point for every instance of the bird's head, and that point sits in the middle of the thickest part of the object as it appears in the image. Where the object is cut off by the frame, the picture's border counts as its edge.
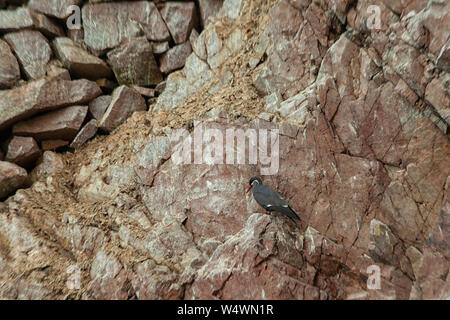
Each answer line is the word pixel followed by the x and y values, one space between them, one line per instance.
pixel 253 181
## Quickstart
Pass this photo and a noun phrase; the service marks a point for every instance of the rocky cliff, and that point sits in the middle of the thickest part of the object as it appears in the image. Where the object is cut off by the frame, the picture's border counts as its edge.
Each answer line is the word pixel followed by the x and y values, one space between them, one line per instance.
pixel 359 91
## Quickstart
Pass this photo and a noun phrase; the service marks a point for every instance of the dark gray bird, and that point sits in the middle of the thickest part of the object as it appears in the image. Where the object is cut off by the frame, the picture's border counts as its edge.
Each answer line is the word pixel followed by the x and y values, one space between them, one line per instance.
pixel 270 199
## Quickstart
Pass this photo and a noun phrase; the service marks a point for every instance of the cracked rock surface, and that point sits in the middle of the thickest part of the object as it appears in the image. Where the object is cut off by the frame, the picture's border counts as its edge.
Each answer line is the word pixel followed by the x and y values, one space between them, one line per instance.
pixel 364 160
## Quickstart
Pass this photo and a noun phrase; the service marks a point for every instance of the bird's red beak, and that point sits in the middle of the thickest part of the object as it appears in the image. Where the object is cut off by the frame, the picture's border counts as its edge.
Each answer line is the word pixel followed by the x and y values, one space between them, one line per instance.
pixel 249 188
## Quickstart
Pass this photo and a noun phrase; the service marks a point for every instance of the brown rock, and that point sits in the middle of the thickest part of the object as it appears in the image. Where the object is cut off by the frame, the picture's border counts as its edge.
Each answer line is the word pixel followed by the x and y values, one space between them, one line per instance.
pixel 47 26
pixel 13 20
pixel 106 25
pixel 61 124
pixel 51 145
pixel 133 63
pixel 32 50
pixel 12 177
pixel 124 102
pixel 175 58
pixel 86 133
pixel 80 63
pixel 62 93
pixel 9 67
pixel 49 164
pixel 208 8
pixel 55 8
pixel 22 151
pixel 98 106
pixel 180 18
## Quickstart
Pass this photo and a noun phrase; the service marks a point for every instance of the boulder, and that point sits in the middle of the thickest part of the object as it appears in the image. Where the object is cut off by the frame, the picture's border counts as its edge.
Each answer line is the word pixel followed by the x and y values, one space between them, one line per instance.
pixel 9 67
pixel 180 18
pixel 175 58
pixel 80 63
pixel 46 94
pixel 61 124
pixel 86 133
pixel 124 102
pixel 133 63
pixel 32 50
pixel 23 151
pixel 98 106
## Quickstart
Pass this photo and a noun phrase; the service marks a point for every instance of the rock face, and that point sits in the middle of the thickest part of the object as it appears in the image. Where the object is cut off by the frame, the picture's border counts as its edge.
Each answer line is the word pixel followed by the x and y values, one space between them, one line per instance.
pixel 124 102
pixel 80 63
pixel 32 50
pixel 134 64
pixel 9 68
pixel 358 115
pixel 61 124
pixel 12 177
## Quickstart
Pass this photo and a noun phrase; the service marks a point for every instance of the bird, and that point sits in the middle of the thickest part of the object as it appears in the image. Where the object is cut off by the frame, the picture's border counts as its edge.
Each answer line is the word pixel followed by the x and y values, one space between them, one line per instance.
pixel 269 199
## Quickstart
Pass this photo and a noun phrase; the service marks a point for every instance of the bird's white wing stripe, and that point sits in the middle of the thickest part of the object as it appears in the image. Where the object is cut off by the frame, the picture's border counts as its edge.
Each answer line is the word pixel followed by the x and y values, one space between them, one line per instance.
pixel 285 206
